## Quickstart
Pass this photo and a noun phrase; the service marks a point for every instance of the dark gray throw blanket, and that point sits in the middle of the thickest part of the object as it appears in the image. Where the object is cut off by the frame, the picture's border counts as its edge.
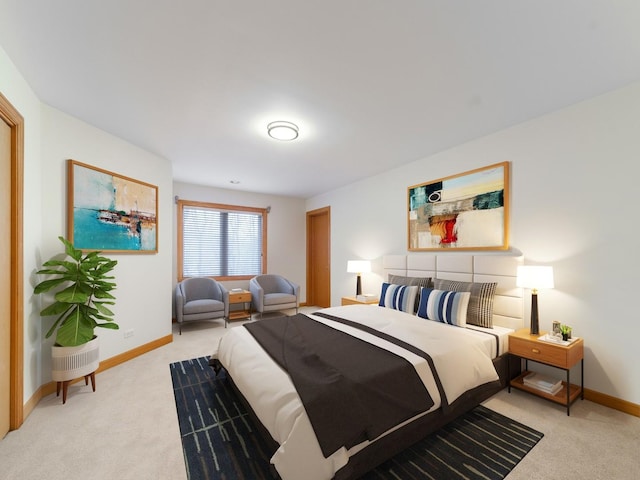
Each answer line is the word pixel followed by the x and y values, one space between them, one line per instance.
pixel 351 390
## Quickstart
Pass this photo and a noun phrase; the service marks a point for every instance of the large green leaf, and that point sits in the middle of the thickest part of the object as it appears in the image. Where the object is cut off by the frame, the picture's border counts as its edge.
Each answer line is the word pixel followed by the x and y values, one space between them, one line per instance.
pixel 55 308
pixel 75 330
pixel 59 320
pixel 72 294
pixel 102 294
pixel 71 250
pixel 66 264
pixel 47 285
pixel 112 326
pixel 103 310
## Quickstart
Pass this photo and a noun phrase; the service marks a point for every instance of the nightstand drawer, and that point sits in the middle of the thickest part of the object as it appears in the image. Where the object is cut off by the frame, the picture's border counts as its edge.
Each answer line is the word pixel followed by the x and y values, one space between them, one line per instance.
pixel 538 351
pixel 241 297
pixel 556 355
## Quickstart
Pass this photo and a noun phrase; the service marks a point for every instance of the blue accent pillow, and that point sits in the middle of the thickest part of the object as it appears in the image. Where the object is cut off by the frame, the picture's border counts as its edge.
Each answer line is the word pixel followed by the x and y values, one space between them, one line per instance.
pixel 444 306
pixel 398 297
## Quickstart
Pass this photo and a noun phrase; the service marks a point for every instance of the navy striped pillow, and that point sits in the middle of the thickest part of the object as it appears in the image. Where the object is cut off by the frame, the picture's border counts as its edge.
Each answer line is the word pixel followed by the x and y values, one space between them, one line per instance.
pixel 444 306
pixel 398 297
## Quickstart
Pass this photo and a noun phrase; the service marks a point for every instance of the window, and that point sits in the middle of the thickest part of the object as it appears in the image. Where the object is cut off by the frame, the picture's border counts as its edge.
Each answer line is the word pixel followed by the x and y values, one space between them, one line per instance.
pixel 222 241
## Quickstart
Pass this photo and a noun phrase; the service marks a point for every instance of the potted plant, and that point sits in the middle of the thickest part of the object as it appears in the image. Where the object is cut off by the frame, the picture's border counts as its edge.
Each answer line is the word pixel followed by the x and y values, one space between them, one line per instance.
pixel 83 285
pixel 565 330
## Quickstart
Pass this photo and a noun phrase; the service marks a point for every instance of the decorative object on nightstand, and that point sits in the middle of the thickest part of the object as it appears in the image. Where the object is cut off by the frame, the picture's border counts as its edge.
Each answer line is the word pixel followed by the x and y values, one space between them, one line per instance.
pixel 534 277
pixel 564 355
pixel 359 267
pixel 565 330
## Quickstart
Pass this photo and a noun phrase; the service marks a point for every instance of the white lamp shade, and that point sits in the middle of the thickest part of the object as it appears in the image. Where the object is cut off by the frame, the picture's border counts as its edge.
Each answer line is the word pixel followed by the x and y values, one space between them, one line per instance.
pixel 358 266
pixel 535 277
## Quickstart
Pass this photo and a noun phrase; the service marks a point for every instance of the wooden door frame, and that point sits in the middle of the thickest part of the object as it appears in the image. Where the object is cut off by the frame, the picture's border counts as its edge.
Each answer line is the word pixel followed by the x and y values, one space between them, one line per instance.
pixel 16 404
pixel 319 211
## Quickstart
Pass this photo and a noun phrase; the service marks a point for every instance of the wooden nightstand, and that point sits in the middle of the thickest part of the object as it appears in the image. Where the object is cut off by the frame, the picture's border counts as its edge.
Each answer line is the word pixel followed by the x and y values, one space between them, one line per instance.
pixel 524 345
pixel 355 301
pixel 243 297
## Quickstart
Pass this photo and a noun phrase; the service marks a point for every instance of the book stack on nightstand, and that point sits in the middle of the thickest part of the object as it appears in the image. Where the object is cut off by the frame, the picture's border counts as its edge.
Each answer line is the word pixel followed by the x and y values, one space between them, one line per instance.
pixel 544 383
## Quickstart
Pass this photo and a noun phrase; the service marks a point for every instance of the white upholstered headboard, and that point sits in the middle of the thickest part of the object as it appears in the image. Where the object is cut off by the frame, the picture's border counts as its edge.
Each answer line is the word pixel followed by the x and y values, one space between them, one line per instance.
pixel 508 308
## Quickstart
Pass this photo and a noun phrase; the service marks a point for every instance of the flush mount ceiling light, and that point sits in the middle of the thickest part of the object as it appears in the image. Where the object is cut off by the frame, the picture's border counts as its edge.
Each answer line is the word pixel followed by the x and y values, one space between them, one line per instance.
pixel 282 130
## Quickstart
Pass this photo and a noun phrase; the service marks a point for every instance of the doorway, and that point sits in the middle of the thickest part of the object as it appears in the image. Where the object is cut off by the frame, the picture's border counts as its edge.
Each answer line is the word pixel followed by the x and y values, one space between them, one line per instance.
pixel 319 257
pixel 11 274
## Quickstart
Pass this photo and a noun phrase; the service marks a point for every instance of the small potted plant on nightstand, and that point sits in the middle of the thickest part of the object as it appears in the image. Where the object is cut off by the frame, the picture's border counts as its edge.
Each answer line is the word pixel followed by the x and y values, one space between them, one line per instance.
pixel 565 330
pixel 83 285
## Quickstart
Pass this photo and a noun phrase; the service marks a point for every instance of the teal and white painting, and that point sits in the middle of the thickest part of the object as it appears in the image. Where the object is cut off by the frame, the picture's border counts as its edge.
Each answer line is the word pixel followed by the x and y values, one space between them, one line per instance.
pixel 111 212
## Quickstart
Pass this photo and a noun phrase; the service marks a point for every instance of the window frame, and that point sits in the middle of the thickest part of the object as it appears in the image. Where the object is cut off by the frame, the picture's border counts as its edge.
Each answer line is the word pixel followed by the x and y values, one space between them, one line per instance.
pixel 218 206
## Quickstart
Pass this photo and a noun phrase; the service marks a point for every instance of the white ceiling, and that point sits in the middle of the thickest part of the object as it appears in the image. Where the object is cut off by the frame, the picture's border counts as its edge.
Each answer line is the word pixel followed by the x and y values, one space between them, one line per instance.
pixel 371 84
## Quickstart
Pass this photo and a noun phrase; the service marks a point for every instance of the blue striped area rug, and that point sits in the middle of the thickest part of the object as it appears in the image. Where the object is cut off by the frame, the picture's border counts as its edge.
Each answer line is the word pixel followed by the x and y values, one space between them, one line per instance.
pixel 220 441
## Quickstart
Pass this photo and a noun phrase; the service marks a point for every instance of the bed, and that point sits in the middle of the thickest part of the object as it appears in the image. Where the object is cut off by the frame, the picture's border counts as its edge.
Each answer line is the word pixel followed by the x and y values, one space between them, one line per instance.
pixel 469 365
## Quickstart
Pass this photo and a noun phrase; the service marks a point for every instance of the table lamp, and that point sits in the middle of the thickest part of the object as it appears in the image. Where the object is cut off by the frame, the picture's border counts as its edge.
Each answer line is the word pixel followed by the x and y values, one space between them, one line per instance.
pixel 359 267
pixel 534 277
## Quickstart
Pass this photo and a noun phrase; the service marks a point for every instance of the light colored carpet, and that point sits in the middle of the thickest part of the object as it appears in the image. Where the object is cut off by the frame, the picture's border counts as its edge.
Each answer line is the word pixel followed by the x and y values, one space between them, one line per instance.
pixel 128 428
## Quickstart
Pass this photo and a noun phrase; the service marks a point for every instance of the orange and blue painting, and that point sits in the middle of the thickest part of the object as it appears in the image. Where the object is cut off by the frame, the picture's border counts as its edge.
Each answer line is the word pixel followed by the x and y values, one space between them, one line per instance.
pixel 468 211
pixel 111 212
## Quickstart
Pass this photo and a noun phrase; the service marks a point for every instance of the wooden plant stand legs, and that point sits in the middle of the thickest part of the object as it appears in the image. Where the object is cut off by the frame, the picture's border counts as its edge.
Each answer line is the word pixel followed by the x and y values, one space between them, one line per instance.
pixel 65 386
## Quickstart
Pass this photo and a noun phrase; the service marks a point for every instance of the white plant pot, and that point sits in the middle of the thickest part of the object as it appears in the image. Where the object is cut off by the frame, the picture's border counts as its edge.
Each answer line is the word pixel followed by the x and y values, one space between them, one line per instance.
pixel 69 363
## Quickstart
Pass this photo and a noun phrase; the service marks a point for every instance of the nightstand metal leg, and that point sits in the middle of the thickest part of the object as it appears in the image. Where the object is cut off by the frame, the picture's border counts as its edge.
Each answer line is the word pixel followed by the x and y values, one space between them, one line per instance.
pixel 582 379
pixel 568 391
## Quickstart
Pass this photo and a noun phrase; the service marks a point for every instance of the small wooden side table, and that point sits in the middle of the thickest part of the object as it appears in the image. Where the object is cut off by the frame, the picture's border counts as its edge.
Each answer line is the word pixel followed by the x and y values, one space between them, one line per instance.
pixel 355 301
pixel 524 345
pixel 240 297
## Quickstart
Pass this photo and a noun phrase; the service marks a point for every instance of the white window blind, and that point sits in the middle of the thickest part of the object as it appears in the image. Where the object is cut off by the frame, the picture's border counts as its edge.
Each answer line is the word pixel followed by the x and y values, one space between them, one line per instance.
pixel 221 243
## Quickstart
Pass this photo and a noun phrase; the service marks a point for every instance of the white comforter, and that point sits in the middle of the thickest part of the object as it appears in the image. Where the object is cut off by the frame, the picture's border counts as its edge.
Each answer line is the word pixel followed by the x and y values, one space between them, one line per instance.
pixel 461 360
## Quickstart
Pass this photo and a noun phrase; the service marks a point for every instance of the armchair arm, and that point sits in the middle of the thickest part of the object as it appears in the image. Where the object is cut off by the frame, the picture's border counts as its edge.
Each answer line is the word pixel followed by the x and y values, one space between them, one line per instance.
pixel 225 299
pixel 296 290
pixel 179 302
pixel 257 294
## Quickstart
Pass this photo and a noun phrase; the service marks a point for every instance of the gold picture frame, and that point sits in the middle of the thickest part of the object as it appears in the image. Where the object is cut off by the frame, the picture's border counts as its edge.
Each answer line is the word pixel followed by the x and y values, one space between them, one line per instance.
pixel 467 211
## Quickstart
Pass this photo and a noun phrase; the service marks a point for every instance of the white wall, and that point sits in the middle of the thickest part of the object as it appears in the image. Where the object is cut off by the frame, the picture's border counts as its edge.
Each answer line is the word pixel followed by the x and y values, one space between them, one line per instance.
pixel 143 294
pixel 573 195
pixel 144 281
pixel 286 226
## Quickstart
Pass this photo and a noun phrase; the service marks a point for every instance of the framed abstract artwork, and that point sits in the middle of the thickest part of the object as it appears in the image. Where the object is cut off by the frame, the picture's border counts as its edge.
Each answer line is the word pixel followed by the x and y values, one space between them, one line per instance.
pixel 110 212
pixel 467 211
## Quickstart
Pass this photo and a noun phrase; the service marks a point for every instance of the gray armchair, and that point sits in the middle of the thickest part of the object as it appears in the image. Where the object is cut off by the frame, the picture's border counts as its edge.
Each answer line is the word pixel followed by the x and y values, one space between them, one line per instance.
pixel 201 298
pixel 271 292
